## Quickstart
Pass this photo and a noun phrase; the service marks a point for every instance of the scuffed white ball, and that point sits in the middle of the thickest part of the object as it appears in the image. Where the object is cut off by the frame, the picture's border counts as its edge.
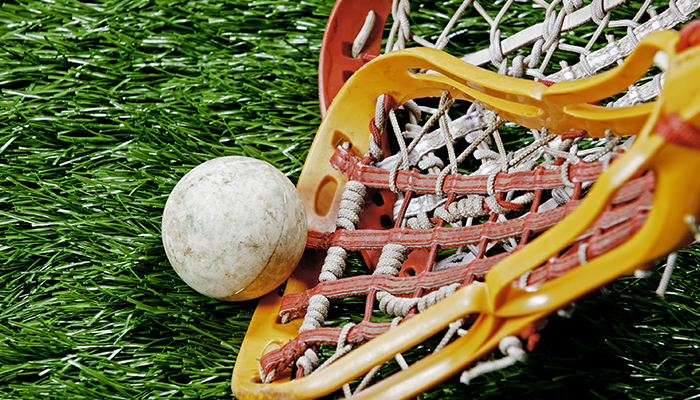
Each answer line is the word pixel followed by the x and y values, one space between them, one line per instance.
pixel 234 228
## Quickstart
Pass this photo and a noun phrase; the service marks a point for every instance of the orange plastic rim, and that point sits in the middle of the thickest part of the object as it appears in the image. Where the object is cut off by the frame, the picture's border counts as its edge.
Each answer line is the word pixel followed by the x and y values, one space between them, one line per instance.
pixel 336 64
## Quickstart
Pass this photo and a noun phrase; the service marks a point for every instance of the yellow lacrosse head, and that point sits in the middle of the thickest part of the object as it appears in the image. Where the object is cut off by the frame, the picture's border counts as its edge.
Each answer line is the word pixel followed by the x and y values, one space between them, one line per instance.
pixel 502 309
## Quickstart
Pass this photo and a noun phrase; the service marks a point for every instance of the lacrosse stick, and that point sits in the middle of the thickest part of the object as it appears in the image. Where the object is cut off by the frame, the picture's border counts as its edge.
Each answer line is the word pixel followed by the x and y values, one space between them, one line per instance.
pixel 666 145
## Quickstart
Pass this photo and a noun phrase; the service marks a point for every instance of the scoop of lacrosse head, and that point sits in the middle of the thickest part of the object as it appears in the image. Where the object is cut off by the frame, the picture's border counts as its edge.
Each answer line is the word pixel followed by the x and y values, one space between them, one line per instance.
pixel 667 144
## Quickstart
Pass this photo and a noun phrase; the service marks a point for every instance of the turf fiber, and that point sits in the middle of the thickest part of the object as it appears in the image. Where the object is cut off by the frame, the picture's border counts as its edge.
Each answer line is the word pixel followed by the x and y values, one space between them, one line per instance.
pixel 104 106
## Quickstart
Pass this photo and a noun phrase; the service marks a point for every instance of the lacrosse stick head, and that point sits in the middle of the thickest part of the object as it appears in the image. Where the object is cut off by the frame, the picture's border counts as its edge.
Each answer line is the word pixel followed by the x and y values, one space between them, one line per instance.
pixel 522 286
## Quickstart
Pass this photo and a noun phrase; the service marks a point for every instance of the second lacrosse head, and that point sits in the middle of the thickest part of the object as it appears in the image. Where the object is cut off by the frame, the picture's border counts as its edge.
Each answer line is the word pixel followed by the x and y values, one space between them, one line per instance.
pixel 234 228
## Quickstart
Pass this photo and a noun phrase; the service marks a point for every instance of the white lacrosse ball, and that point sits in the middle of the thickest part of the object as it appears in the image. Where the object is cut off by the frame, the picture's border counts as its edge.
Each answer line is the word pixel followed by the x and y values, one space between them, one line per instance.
pixel 234 228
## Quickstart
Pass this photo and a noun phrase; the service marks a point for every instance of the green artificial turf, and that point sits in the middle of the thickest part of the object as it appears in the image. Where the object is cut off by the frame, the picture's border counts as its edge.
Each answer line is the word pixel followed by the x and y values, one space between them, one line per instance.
pixel 104 106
